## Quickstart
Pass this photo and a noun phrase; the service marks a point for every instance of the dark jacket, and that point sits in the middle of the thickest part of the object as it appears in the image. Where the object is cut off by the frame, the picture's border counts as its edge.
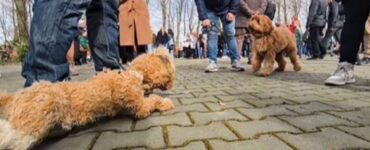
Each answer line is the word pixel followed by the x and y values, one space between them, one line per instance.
pixel 270 9
pixel 317 14
pixel 161 39
pixel 247 8
pixel 220 7
pixel 333 16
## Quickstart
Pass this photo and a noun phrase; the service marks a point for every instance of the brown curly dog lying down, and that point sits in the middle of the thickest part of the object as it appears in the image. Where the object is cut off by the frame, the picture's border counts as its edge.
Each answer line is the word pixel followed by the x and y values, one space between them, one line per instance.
pixel 271 44
pixel 32 112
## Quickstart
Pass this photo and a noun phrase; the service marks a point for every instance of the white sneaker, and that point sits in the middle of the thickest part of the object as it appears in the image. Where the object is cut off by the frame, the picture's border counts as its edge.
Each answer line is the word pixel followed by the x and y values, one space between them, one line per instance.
pixel 236 66
pixel 212 67
pixel 343 75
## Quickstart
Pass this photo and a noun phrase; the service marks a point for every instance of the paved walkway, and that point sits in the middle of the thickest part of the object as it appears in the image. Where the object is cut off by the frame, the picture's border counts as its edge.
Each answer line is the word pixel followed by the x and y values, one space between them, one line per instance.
pixel 229 110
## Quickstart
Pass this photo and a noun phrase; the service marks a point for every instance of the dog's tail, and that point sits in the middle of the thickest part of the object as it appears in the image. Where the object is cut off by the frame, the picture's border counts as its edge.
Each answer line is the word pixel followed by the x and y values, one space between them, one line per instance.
pixel 5 99
pixel 13 139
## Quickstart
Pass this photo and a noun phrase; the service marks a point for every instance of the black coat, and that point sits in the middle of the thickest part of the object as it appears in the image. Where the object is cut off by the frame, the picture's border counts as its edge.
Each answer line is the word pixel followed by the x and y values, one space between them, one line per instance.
pixel 317 14
pixel 220 7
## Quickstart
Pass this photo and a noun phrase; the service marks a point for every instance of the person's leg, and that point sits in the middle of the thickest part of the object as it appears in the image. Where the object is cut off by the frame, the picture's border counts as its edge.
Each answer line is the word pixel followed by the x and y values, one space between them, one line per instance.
pixel 315 41
pixel 213 37
pixel 229 31
pixel 122 54
pixel 53 28
pixel 356 13
pixel 103 33
pixel 240 37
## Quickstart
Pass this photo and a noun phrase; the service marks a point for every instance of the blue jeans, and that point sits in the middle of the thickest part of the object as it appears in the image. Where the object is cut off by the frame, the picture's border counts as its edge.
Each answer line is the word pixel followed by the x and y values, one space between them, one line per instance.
pixel 229 31
pixel 55 25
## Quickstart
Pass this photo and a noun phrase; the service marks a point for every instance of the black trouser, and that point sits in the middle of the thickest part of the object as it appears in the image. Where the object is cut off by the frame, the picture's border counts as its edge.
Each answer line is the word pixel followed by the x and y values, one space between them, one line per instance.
pixel 356 12
pixel 127 53
pixel 315 38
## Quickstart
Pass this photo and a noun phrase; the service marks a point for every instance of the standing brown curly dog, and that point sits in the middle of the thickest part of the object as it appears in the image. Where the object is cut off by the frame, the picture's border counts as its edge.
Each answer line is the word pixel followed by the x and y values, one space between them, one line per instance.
pixel 270 44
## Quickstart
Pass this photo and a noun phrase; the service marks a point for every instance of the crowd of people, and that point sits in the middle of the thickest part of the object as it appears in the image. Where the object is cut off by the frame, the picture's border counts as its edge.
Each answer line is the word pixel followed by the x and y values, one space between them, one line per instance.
pixel 333 27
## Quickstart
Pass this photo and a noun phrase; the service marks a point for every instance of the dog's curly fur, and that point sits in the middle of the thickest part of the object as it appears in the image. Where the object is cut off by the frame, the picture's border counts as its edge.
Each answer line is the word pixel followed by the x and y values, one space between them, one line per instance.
pixel 271 43
pixel 31 113
pixel 158 69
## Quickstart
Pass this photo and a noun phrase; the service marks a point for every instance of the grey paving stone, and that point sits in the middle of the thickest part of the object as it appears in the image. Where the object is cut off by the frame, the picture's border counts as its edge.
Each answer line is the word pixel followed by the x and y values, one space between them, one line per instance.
pixel 152 138
pixel 312 107
pixel 342 96
pixel 234 97
pixel 268 102
pixel 196 107
pixel 179 119
pixel 228 105
pixel 260 113
pixel 241 91
pixel 329 138
pixel 198 100
pixel 349 104
pixel 181 96
pixel 121 124
pixel 191 146
pixel 69 143
pixel 270 95
pixel 203 118
pixel 251 129
pixel 307 99
pixel 211 93
pixel 362 116
pixel 313 122
pixel 214 130
pixel 222 89
pixel 265 142
pixel 363 132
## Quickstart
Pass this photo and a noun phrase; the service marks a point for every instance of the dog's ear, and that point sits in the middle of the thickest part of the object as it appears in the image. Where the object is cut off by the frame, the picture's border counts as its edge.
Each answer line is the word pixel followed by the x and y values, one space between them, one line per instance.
pixel 164 53
pixel 267 23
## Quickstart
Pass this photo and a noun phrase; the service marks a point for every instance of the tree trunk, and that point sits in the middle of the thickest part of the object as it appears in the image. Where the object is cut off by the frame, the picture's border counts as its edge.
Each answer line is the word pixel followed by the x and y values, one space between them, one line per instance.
pixel 164 12
pixel 285 12
pixel 22 21
pixel 278 3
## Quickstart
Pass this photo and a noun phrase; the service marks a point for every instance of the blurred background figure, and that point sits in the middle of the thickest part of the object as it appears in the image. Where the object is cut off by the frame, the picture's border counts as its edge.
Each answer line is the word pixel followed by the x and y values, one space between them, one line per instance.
pixel 162 38
pixel 335 24
pixel 135 31
pixel 248 8
pixel 315 24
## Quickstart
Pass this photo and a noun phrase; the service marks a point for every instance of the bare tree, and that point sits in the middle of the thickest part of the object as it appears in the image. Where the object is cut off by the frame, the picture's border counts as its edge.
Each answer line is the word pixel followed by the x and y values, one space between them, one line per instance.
pixel 192 19
pixel 164 8
pixel 179 6
pixel 21 20
pixel 285 8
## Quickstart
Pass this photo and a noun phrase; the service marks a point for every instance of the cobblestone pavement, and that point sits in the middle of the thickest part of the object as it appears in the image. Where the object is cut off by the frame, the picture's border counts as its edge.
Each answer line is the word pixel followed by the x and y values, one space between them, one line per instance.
pixel 230 110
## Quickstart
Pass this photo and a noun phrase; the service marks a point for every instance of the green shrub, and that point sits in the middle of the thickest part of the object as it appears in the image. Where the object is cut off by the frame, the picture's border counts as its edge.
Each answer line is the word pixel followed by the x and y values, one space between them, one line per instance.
pixel 21 49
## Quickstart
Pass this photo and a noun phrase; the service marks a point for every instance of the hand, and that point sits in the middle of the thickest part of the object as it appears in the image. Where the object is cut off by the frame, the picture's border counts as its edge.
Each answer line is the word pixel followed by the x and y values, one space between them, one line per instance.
pixel 230 17
pixel 206 23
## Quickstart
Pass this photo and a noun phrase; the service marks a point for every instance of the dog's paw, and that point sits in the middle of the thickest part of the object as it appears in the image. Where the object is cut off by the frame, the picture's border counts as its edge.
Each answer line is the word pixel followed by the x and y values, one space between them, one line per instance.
pixel 255 69
pixel 166 104
pixel 297 68
pixel 279 69
pixel 264 74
